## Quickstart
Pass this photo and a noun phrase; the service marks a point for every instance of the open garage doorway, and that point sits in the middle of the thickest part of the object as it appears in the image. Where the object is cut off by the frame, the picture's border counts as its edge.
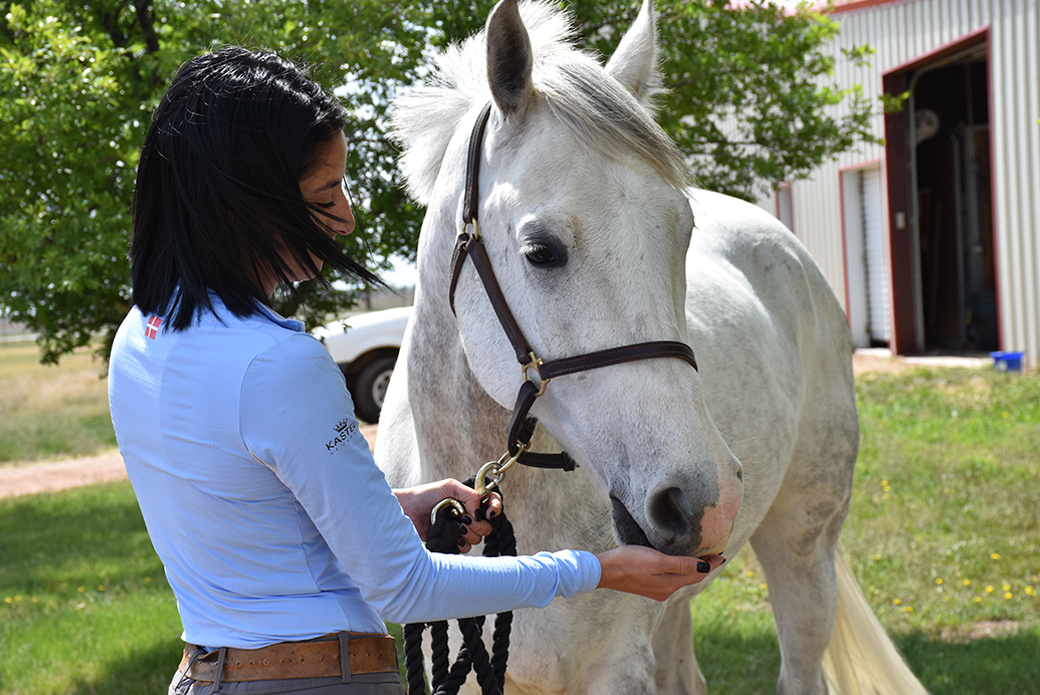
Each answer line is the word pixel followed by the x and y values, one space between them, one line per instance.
pixel 944 283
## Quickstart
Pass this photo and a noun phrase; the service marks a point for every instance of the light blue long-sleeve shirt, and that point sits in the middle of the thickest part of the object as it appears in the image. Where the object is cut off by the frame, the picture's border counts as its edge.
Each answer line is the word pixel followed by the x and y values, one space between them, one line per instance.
pixel 263 500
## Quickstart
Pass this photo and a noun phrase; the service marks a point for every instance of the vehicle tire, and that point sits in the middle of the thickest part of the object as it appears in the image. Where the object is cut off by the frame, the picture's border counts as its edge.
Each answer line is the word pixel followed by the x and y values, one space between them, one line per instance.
pixel 370 390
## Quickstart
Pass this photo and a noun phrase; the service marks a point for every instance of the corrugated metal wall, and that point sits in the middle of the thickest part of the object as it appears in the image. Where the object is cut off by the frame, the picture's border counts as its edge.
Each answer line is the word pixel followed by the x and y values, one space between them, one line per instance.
pixel 900 32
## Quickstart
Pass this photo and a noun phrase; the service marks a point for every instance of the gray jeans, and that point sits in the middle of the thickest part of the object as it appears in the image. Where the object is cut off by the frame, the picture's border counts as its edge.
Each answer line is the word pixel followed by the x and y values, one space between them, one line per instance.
pixel 361 684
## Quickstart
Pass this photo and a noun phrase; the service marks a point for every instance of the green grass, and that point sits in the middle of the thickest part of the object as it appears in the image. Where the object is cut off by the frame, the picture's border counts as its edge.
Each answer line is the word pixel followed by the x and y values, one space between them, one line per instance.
pixel 947 488
pixel 51 411
pixel 86 607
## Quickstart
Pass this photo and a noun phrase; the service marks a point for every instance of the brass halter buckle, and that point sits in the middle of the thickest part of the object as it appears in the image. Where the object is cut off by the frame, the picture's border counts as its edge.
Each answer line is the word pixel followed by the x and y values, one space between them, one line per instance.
pixel 534 363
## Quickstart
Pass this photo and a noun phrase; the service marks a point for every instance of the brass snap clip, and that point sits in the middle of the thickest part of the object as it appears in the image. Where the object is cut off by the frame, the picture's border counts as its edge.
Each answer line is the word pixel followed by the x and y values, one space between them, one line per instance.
pixel 491 473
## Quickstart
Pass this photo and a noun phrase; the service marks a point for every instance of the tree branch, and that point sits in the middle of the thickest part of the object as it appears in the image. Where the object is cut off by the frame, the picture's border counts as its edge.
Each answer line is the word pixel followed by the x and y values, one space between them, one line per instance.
pixel 147 23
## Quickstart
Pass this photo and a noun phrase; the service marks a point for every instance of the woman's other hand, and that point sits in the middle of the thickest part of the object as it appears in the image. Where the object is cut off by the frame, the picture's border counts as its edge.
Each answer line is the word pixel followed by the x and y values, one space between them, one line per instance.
pixel 636 569
pixel 417 503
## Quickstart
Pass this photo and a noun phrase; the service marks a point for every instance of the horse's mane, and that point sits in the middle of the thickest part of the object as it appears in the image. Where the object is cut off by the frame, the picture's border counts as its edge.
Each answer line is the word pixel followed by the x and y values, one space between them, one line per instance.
pixel 596 108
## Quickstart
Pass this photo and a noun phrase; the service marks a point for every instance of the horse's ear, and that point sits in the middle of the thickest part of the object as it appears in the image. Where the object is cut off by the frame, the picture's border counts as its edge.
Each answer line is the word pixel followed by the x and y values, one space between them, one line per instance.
pixel 509 59
pixel 634 63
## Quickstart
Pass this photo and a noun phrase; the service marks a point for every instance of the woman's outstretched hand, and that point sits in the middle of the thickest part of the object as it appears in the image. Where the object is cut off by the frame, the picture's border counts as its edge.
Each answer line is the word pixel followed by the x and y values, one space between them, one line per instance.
pixel 636 569
pixel 417 503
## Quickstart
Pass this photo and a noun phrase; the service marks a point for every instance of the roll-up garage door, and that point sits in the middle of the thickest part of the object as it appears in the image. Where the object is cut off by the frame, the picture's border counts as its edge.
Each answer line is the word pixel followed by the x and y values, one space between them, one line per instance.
pixel 877 268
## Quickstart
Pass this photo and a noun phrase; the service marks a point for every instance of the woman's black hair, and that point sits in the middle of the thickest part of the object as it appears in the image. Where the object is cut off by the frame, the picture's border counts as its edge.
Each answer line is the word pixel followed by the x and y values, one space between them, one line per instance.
pixel 217 204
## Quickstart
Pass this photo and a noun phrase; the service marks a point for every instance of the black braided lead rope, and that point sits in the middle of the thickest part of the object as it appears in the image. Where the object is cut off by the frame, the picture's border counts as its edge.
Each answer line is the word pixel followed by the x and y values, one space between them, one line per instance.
pixel 473 655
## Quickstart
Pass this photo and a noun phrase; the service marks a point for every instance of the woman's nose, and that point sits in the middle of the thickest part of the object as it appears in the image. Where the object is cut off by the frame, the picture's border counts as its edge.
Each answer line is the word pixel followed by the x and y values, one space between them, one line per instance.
pixel 344 212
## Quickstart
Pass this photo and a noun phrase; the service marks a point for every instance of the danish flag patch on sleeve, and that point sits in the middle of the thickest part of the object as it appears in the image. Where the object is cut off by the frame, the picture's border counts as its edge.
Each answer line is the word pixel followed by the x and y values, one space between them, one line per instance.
pixel 152 329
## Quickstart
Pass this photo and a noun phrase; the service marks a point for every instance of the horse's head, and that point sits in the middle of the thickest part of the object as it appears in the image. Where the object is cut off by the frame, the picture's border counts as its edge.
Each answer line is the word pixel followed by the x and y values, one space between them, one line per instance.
pixel 584 217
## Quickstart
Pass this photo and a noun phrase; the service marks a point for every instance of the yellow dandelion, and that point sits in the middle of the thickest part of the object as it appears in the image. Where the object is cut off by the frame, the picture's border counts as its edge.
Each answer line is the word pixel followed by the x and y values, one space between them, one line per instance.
pixel 1007 594
pixel 994 556
pixel 35 600
pixel 908 609
pixel 749 573
pixel 763 586
pixel 1006 587
pixel 947 490
pixel 967 582
pixel 1006 413
pixel 946 599
pixel 81 589
pixel 938 580
pixel 884 483
pixel 977 599
pixel 8 599
pixel 884 496
pixel 877 558
pixel 989 589
pixel 17 598
pixel 1029 591
pixel 896 602
pixel 101 587
pixel 147 580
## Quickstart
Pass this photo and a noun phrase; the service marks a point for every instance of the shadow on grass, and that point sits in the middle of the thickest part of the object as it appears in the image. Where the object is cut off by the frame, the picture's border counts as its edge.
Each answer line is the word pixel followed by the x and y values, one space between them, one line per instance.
pixel 989 666
pixel 148 669
pixel 750 664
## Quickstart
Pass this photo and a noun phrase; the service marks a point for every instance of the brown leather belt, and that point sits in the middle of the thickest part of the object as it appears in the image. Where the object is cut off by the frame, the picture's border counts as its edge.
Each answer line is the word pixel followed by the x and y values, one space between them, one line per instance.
pixel 368 653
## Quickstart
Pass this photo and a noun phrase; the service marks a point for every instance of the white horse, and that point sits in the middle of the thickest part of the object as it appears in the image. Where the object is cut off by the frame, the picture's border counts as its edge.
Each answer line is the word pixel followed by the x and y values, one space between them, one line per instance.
pixel 586 214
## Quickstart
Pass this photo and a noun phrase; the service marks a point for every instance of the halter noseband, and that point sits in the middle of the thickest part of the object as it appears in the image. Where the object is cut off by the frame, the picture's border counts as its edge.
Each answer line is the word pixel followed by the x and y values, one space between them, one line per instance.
pixel 521 427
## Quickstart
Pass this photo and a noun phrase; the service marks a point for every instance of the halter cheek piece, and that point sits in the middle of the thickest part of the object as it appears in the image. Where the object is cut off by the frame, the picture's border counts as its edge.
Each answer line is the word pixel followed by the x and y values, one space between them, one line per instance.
pixel 521 427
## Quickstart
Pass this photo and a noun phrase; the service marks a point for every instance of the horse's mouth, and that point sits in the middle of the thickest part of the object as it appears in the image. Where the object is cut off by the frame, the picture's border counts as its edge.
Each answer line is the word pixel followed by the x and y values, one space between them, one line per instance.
pixel 627 531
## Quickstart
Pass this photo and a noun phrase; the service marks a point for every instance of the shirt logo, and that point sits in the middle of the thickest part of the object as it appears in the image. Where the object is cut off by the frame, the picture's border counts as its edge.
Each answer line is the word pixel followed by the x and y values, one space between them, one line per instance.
pixel 152 329
pixel 344 433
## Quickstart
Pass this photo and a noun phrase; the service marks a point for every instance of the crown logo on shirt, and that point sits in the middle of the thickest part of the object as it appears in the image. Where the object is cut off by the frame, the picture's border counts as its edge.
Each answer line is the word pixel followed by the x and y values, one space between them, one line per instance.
pixel 345 430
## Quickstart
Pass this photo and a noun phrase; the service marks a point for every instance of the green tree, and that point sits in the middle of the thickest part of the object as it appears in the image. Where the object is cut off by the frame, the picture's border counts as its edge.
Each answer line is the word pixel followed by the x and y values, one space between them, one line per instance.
pixel 78 82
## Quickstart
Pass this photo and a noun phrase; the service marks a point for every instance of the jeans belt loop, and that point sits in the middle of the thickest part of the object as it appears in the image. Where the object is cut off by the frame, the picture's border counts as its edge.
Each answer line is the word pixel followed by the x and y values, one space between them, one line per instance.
pixel 218 679
pixel 344 655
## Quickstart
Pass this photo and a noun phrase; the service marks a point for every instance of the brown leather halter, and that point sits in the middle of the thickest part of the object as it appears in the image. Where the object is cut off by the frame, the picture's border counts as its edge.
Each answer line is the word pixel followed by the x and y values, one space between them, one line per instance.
pixel 521 428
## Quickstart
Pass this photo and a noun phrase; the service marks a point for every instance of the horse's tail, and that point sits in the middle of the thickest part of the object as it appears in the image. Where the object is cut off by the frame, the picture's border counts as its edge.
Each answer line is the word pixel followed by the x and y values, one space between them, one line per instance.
pixel 861 658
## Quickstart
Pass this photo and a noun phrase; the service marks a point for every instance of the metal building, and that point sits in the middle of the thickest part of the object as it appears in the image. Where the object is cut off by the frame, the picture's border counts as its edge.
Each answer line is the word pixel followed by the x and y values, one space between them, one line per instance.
pixel 933 240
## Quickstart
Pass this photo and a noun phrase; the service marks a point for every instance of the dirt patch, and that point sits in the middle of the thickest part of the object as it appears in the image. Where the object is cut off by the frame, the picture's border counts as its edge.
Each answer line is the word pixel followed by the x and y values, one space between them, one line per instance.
pixel 871 362
pixel 879 360
pixel 984 630
pixel 52 476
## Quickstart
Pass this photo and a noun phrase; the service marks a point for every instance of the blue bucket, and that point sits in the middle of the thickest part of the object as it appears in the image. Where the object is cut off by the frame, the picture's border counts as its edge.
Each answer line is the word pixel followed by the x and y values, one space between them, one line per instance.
pixel 1007 361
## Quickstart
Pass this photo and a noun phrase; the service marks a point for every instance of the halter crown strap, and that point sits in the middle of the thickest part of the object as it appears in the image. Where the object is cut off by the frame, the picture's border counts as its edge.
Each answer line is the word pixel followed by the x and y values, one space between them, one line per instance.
pixel 476 140
pixel 521 427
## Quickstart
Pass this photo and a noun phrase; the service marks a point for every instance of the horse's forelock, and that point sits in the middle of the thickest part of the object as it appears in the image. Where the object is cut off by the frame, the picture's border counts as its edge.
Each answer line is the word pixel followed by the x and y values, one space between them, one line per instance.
pixel 595 108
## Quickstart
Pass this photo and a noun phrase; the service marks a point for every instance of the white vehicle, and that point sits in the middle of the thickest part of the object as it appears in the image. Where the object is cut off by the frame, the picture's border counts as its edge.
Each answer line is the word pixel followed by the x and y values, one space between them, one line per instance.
pixel 365 347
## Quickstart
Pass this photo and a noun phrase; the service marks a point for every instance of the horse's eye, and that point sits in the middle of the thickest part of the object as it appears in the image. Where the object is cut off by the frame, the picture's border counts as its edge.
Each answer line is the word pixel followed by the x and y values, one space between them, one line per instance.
pixel 540 255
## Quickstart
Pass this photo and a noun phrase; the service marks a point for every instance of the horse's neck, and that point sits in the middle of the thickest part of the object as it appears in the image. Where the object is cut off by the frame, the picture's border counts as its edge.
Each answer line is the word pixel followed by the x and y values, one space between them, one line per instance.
pixel 459 427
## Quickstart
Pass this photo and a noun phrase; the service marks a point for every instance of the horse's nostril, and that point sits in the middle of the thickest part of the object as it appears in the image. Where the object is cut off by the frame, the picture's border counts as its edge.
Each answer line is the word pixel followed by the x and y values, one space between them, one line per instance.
pixel 628 531
pixel 669 513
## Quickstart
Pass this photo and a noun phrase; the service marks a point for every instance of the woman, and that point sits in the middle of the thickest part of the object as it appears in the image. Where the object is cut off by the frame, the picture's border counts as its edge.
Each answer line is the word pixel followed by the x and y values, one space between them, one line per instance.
pixel 284 545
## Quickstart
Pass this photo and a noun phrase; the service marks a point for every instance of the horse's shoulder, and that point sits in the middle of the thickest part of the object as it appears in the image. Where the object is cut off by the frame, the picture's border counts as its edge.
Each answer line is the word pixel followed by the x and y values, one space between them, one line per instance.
pixel 750 258
pixel 734 227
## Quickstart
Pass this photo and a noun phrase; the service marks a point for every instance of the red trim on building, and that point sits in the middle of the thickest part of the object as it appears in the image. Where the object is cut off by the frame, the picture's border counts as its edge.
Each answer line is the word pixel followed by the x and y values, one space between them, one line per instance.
pixel 858 5
pixel 969 40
